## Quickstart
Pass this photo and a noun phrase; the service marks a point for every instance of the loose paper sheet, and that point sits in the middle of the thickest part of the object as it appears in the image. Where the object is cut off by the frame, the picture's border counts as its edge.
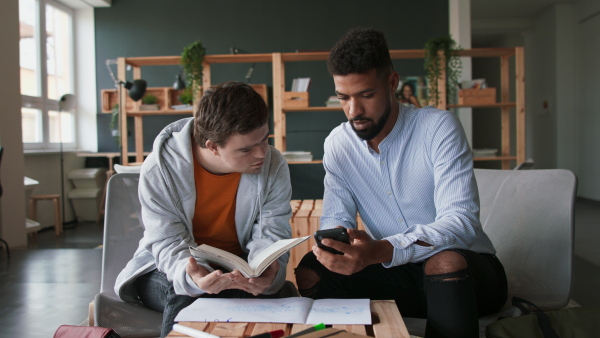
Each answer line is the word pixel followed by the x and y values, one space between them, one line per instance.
pixel 300 310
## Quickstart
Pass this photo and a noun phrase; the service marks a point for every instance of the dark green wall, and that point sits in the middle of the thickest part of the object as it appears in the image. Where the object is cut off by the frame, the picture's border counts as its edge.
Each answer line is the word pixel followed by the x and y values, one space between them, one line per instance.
pixel 157 27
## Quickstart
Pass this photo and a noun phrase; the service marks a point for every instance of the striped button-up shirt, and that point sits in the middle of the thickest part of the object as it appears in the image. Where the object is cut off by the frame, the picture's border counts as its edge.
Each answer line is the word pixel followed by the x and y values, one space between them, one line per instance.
pixel 420 186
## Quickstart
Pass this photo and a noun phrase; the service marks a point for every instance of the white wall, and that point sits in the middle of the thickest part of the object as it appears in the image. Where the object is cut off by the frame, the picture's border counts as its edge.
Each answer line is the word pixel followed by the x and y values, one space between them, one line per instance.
pixel 12 219
pixel 540 86
pixel 588 91
pixel 460 29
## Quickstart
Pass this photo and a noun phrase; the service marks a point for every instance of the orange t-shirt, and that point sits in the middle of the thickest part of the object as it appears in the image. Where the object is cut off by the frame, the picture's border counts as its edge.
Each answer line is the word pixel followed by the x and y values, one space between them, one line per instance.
pixel 214 215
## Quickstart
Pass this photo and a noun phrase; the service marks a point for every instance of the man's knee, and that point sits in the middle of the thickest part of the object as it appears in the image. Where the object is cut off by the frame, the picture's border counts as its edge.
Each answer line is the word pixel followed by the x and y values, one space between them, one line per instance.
pixel 449 265
pixel 306 278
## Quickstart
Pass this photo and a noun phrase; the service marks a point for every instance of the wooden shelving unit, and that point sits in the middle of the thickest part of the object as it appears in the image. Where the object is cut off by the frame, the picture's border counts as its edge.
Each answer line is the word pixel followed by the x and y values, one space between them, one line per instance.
pixel 169 95
pixel 278 61
pixel 505 105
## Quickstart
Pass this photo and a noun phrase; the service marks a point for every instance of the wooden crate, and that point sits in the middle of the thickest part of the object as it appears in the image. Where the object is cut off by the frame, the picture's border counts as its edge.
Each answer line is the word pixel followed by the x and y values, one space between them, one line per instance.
pixel 295 99
pixel 306 219
pixel 477 96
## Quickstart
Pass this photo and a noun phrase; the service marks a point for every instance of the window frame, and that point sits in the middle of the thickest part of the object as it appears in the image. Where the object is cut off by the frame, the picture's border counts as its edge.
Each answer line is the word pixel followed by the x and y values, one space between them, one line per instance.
pixel 43 102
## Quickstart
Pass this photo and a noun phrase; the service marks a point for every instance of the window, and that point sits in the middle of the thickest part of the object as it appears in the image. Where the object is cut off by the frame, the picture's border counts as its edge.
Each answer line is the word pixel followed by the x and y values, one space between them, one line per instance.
pixel 47 73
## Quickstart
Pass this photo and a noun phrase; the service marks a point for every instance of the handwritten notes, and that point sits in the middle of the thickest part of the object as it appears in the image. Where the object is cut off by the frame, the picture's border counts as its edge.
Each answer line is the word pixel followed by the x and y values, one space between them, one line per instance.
pixel 281 310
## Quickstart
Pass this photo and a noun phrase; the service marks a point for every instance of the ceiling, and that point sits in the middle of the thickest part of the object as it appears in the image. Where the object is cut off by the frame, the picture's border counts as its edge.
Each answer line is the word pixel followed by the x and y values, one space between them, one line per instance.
pixel 491 19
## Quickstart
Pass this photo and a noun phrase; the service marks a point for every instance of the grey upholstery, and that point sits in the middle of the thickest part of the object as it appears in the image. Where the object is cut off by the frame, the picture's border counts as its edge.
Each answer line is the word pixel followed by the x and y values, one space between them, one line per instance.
pixel 529 216
pixel 122 232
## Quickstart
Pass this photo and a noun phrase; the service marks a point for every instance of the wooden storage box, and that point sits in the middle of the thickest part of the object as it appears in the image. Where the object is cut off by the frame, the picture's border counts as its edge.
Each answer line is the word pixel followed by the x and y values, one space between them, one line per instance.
pixel 477 96
pixel 295 99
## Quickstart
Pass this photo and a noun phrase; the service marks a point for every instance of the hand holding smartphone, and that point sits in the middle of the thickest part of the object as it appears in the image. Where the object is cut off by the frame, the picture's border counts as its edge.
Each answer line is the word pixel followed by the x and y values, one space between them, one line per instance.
pixel 338 234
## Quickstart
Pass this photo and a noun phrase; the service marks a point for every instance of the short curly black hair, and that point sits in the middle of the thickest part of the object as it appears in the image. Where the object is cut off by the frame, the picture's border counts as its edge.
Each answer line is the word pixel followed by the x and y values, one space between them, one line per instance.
pixel 359 51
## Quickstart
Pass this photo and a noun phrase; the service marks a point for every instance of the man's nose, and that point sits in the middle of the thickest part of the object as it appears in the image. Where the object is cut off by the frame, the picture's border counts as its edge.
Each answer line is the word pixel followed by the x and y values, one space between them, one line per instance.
pixel 355 108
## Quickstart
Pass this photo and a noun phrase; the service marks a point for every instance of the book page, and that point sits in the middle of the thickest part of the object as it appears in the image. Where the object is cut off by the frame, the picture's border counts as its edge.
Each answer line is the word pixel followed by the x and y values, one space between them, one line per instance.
pixel 282 310
pixel 340 311
pixel 222 258
pixel 296 310
pixel 272 252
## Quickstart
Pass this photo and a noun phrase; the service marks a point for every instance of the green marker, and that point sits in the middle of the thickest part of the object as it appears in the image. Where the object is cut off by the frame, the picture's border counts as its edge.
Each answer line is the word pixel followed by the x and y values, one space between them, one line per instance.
pixel 309 330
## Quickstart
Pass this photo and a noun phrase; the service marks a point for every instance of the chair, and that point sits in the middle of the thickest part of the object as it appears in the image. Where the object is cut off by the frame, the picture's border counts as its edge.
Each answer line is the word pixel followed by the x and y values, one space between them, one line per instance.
pixel 2 240
pixel 123 230
pixel 529 216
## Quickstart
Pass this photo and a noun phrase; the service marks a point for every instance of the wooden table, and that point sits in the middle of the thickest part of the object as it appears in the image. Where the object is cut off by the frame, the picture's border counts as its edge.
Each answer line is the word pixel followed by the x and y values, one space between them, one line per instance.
pixel 387 322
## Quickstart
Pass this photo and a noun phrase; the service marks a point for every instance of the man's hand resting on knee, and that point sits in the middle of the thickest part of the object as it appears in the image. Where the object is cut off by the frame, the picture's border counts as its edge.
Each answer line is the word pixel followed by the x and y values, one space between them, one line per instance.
pixel 213 282
pixel 256 285
pixel 360 253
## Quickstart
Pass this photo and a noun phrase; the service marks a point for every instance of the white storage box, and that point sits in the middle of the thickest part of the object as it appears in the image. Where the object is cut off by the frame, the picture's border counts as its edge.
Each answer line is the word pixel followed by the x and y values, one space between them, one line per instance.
pixel 86 202
pixel 88 178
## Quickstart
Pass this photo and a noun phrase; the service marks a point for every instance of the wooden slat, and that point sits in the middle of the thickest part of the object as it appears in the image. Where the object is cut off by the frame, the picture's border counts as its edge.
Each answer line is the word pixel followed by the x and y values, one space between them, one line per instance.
pixel 268 327
pixel 122 76
pixel 238 58
pixel 176 59
pixel 300 227
pixel 278 90
pixel 390 321
pixel 139 138
pixel 358 329
pixel 299 327
pixel 228 329
pixel 314 222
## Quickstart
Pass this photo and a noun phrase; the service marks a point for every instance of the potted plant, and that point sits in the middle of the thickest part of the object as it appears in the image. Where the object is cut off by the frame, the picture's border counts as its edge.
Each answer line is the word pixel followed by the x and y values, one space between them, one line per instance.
pixel 192 59
pixel 446 46
pixel 149 102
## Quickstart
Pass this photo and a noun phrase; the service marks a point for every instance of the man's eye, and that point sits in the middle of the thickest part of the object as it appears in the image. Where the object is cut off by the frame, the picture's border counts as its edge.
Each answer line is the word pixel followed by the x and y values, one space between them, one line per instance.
pixel 344 98
pixel 368 96
pixel 245 150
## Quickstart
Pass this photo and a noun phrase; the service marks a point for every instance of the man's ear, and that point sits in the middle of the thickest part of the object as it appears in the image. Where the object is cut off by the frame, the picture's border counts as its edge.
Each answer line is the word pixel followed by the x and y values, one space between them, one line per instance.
pixel 393 80
pixel 213 147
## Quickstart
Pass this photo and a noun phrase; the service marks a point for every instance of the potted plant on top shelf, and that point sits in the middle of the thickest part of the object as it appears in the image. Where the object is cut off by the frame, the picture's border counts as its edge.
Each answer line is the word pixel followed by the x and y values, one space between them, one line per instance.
pixel 435 63
pixel 149 102
pixel 192 60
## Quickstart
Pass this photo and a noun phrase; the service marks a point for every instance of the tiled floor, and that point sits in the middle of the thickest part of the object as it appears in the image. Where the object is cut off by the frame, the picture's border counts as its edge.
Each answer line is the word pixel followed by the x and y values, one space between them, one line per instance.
pixel 42 288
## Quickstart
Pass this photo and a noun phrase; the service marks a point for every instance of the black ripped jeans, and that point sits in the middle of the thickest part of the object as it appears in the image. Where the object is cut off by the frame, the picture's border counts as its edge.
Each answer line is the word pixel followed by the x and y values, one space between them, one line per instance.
pixel 452 307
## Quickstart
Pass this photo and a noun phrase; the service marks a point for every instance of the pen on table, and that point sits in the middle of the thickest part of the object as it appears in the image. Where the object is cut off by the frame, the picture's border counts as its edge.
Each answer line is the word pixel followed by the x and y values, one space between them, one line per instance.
pixel 272 334
pixel 309 330
pixel 193 332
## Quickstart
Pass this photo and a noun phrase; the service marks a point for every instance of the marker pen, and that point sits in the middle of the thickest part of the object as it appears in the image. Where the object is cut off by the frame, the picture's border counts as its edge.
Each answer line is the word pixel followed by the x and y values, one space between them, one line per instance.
pixel 272 334
pixel 193 332
pixel 309 330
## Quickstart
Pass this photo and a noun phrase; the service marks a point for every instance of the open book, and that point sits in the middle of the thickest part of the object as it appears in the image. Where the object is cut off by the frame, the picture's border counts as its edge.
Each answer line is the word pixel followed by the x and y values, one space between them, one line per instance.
pixel 253 268
pixel 297 310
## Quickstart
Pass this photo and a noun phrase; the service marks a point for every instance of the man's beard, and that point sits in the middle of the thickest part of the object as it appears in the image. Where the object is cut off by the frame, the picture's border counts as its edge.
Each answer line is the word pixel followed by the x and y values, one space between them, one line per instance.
pixel 370 133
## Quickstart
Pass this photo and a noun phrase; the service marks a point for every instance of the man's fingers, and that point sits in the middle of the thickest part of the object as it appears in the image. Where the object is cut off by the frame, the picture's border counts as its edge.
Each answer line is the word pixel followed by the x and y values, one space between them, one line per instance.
pixel 340 246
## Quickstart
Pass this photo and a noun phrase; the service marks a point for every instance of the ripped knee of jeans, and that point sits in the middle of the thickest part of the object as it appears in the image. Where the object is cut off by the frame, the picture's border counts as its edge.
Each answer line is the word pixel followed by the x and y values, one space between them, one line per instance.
pixel 448 277
pixel 307 280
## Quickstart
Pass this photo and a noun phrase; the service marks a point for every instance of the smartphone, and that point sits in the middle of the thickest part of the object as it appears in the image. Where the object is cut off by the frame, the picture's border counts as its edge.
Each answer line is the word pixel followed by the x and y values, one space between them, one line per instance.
pixel 338 234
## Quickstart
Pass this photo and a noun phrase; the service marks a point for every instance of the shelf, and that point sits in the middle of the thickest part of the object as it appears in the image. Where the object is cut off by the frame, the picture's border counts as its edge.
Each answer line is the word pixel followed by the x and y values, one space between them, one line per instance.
pixel 496 158
pixel 176 60
pixel 294 109
pixel 490 105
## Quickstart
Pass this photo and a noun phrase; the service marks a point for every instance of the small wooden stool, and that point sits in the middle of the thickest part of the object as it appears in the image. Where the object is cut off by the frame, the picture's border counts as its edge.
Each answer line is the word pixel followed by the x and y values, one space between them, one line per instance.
pixel 57 215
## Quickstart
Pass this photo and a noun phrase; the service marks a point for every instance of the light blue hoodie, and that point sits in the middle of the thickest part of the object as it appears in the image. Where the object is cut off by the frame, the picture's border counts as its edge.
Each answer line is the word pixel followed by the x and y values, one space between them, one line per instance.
pixel 168 195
